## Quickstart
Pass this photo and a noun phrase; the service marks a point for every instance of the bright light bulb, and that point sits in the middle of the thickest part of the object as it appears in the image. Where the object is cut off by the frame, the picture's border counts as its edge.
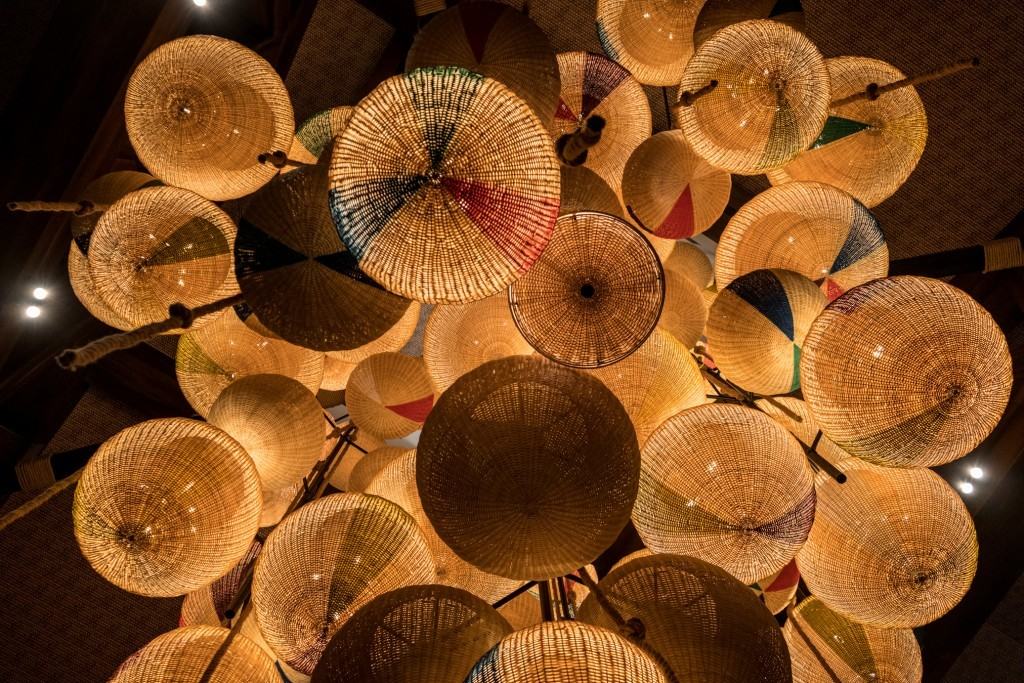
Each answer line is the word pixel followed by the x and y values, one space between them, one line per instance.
pixel 33 311
pixel 200 3
pixel 966 487
pixel 40 293
pixel 976 472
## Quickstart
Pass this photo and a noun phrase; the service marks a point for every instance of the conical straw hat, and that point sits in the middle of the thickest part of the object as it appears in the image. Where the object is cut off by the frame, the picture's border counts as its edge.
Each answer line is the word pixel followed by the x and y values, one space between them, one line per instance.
pixel 85 292
pixel 651 38
pixel 778 590
pixel 685 313
pixel 338 365
pixel 314 136
pixel 371 464
pixel 103 191
pixel 584 190
pixel 389 395
pixel 689 261
pixel 717 14
pixel 185 653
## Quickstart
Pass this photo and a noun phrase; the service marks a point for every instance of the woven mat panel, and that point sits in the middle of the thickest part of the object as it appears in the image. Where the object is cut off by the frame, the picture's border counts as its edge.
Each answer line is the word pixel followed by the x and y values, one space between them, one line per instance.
pixel 95 418
pixel 54 606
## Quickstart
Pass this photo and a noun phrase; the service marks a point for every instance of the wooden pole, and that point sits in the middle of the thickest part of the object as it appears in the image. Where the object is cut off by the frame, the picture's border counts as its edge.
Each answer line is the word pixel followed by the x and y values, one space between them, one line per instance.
pixel 80 208
pixel 873 90
pixel 572 147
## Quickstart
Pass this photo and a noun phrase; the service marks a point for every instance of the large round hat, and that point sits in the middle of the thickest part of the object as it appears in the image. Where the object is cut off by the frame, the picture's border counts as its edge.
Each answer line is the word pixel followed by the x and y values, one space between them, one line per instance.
pixel 688 260
pixel 673 192
pixel 103 192
pixel 298 277
pixel 825 647
pixel 369 466
pixel 594 296
pixel 728 485
pixel 717 14
pixel 390 394
pixel 158 246
pixel 565 652
pixel 893 548
pixel 201 109
pixel 85 291
pixel 314 136
pixel 523 611
pixel 166 506
pixel 653 384
pixel 212 357
pixel 593 85
pixel 444 186
pixel 184 654
pixel 327 560
pixel 812 229
pixel 651 38
pixel 869 147
pixel 685 314
pixel 757 325
pixel 584 190
pixel 707 625
pixel 461 337
pixel 412 634
pixel 338 365
pixel 495 40
pixel 397 482
pixel 771 99
pixel 361 446
pixel 501 460
pixel 906 372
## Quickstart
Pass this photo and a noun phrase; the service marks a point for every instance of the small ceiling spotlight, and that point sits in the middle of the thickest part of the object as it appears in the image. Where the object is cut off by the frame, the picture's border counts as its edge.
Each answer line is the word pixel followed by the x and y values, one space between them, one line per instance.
pixel 976 472
pixel 966 487
pixel 40 293
pixel 33 311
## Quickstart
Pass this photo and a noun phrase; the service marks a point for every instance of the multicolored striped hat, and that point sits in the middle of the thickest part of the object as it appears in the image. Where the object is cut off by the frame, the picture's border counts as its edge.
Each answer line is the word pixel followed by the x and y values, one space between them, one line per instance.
pixel 778 590
pixel 316 133
pixel 651 38
pixel 444 186
pixel 389 395
pixel 813 229
pixel 756 327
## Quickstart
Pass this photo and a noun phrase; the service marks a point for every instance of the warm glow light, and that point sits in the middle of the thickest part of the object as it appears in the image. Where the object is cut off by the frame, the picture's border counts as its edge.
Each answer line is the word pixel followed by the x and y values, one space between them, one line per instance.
pixel 40 293
pixel 33 311
pixel 976 472
pixel 200 3
pixel 966 487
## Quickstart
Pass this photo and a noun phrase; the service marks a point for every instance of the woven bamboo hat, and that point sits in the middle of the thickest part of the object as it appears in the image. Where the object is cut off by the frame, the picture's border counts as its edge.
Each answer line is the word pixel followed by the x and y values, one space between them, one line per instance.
pixel 389 395
pixel 314 136
pixel 166 506
pixel 185 653
pixel 655 383
pixel 495 40
pixel 795 415
pixel 412 634
pixel 906 372
pixel 397 482
pixel 778 590
pixel 757 325
pixel 812 229
pixel 104 191
pixel 674 192
pixel 85 292
pixel 368 467
pixel 890 547
pixel 298 277
pixel 717 14
pixel 685 314
pixel 327 560
pixel 595 86
pixel 825 647
pixel 201 109
pixel 338 365
pixel 158 246
pixel 728 485
pixel 771 101
pixel 869 147
pixel 584 190
pixel 461 337
pixel 689 261
pixel 565 652
pixel 279 423
pixel 212 357
pixel 651 38
pixel 364 443
pixel 445 185
pixel 501 458
pixel 594 296
pixel 708 626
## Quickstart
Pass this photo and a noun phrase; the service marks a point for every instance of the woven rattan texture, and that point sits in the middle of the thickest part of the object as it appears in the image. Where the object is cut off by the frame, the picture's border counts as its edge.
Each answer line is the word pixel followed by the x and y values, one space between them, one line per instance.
pixel 315 134
pixel 277 421
pixel 708 626
pixel 594 296
pixel 685 313
pixel 183 655
pixel 158 246
pixel 813 229
pixel 212 357
pixel 584 190
pixel 653 384
pixel 674 192
pixel 444 186
pixel 870 147
pixel 460 338
pixel 523 611
pixel 565 652
pixel 771 101
pixel 327 560
pixel 756 328
pixel 166 506
pixel 497 41
pixel 688 260
pixel 906 372
pixel 795 416
pixel 717 14
pixel 500 461
pixel 208 604
pixel 413 634
pixel 368 467
pixel 104 191
pixel 353 456
pixel 200 109
pixel 726 484
pixel 85 291
pixel 338 365
pixel 825 647
pixel 389 395
pixel 397 482
pixel 890 547
pixel 593 85
pixel 651 38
